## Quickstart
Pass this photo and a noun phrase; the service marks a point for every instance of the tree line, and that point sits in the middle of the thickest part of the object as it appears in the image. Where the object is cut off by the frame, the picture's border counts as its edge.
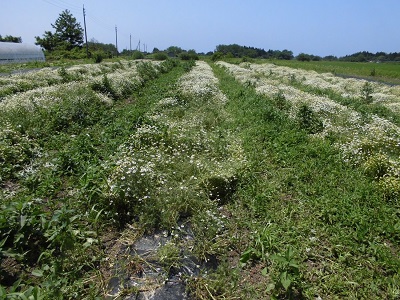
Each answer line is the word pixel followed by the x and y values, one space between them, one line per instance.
pixel 235 50
pixel 365 56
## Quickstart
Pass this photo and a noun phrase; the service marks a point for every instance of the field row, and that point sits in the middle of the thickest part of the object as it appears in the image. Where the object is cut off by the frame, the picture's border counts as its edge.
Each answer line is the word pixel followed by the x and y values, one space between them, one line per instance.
pixel 120 74
pixel 327 83
pixel 365 139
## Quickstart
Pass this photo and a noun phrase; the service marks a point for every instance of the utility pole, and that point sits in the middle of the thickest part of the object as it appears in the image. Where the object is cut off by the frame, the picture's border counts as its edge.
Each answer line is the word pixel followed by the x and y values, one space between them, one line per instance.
pixel 84 22
pixel 130 42
pixel 116 39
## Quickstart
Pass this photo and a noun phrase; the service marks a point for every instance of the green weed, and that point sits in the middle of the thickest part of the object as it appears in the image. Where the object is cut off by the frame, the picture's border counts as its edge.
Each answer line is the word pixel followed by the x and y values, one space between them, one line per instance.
pixel 366 93
pixel 308 120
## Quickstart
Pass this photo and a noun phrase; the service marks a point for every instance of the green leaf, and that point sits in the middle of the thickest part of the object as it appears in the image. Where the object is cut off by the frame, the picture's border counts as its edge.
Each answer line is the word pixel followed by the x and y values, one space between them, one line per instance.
pixel 264 272
pixel 22 221
pixel 289 253
pixel 3 291
pixel 17 296
pixel 286 280
pixel 293 264
pixel 270 287
pixel 278 258
pixel 246 256
pixel 89 242
pixel 3 241
pixel 37 273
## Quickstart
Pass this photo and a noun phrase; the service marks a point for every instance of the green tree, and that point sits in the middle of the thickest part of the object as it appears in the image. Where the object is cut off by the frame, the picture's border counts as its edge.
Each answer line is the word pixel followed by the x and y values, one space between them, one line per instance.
pixel 48 42
pixel 285 54
pixel 10 38
pixel 68 34
pixel 175 50
pixel 303 57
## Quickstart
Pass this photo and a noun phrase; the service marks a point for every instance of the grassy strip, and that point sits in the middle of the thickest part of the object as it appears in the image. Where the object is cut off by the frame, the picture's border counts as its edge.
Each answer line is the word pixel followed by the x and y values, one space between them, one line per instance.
pixel 318 227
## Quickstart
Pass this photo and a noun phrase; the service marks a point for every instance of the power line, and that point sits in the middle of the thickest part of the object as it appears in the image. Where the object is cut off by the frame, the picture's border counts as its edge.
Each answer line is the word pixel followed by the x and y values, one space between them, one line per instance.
pixel 99 22
pixel 62 6
pixel 68 4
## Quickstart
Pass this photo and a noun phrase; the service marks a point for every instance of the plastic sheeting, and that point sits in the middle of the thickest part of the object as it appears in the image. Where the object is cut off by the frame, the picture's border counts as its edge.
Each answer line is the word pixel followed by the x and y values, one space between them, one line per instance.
pixel 18 52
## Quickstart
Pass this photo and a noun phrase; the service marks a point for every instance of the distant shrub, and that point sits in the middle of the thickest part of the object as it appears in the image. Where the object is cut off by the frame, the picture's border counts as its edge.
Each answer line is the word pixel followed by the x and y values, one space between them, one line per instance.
pixel 303 57
pixel 184 56
pixel 167 65
pixel 217 56
pixel 146 71
pixel 137 55
pixel 98 57
pixel 188 56
pixel 247 59
pixel 160 56
pixel 75 53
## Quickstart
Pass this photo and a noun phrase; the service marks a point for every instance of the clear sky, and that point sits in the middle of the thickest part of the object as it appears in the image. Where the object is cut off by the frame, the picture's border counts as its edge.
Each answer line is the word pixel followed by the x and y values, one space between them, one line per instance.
pixel 319 27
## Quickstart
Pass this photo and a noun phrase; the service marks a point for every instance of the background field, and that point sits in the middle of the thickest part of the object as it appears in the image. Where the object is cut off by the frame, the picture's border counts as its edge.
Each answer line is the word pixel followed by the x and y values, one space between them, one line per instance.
pixel 385 72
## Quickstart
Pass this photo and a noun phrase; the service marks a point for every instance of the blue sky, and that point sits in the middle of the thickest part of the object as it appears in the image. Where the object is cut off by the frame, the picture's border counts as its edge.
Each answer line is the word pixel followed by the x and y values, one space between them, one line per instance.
pixel 320 27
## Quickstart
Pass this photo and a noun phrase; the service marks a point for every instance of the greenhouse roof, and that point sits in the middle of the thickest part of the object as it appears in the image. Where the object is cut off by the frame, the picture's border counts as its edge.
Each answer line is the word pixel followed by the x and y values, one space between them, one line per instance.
pixel 18 52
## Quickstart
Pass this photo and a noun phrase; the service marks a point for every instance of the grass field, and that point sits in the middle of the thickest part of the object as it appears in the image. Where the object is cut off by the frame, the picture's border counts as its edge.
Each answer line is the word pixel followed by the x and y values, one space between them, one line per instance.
pixel 248 180
pixel 384 72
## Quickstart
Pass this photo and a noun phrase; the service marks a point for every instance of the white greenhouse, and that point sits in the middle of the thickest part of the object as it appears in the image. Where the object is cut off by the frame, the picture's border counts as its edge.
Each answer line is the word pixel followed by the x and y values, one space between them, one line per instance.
pixel 18 52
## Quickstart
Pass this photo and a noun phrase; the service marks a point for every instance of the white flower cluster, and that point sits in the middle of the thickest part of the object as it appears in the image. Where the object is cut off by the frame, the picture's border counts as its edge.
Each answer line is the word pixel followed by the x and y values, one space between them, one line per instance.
pixel 123 77
pixel 326 108
pixel 201 82
pixel 40 97
pixel 21 82
pixel 345 87
pixel 360 137
pixel 172 155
